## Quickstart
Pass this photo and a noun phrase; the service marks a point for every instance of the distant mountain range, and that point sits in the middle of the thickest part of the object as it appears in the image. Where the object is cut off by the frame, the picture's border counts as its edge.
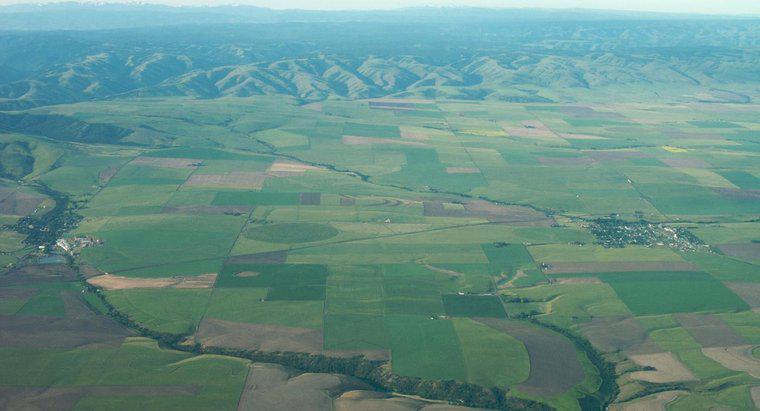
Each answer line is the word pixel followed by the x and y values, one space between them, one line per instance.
pixel 90 16
pixel 434 53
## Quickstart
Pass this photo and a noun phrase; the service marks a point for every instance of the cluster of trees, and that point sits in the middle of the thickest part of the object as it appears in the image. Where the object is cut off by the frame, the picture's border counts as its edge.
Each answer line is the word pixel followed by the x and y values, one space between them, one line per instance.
pixel 46 229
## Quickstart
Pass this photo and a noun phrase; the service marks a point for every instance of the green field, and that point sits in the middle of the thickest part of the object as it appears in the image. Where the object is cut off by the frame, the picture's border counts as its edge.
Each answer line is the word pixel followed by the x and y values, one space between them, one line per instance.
pixel 448 240
pixel 647 293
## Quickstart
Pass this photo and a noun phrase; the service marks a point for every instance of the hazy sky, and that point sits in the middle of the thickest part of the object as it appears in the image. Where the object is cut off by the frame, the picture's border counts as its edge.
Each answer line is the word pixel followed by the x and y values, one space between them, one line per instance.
pixel 690 6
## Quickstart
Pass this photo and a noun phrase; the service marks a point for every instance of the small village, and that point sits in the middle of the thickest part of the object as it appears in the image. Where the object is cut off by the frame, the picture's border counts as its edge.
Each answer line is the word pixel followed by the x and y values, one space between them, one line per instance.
pixel 615 233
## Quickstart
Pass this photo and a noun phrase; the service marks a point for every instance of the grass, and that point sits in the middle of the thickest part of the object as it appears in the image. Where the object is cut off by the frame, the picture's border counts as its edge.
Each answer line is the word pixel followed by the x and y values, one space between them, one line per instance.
pixel 246 305
pixel 492 358
pixel 291 233
pixel 507 258
pixel 724 268
pixel 648 293
pixel 355 332
pixel 589 253
pixel 272 275
pixel 742 179
pixel 47 301
pixel 371 130
pixel 425 348
pixel 253 198
pixel 137 362
pixel 138 241
pixel 173 311
pixel 473 306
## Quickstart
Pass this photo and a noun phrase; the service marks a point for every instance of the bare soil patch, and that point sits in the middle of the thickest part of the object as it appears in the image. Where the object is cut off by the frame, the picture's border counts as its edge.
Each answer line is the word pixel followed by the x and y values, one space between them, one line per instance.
pixel 272 337
pixel 755 394
pixel 531 129
pixel 74 306
pixel 166 162
pixel 283 168
pixel 737 193
pixel 614 333
pixel 106 175
pixel 347 201
pixel 615 155
pixel 451 273
pixel 234 179
pixel 462 170
pixel 375 401
pixel 20 204
pixel 310 198
pixel 655 402
pixel 265 337
pixel 749 292
pixel 64 398
pixel 35 273
pixel 737 358
pixel 274 387
pixel 618 266
pixel 247 274
pixel 746 251
pixel 685 162
pixel 20 293
pixel 577 280
pixel 60 332
pixel 364 141
pixel 414 135
pixel 117 282
pixel 554 366
pixel 518 275
pixel 437 209
pixel 667 368
pixel 566 161
pixel 572 136
pixel 710 330
pixel 370 401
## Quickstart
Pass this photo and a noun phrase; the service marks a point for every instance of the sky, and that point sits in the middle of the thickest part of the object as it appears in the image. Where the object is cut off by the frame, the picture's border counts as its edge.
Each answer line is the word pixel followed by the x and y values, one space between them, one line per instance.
pixel 688 6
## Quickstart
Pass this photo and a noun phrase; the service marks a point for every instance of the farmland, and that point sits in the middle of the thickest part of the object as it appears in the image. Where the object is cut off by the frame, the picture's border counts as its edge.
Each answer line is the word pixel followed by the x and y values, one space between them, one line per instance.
pixel 559 248
pixel 372 254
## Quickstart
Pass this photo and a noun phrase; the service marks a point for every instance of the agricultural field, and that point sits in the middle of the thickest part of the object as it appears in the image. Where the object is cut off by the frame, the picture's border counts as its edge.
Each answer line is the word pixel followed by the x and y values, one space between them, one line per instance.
pixel 410 211
pixel 448 247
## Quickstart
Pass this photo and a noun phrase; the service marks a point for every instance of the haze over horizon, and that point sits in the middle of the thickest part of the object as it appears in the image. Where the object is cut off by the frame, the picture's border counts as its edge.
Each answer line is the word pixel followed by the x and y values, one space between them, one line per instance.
pixel 736 7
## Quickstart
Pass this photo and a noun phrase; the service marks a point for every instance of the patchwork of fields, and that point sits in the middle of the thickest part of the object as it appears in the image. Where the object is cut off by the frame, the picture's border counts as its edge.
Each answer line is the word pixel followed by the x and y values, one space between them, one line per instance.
pixel 447 238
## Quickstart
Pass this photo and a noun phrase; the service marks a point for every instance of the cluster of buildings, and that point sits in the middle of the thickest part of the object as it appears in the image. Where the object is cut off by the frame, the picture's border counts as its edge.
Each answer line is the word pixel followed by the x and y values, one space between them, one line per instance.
pixel 615 233
pixel 74 244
